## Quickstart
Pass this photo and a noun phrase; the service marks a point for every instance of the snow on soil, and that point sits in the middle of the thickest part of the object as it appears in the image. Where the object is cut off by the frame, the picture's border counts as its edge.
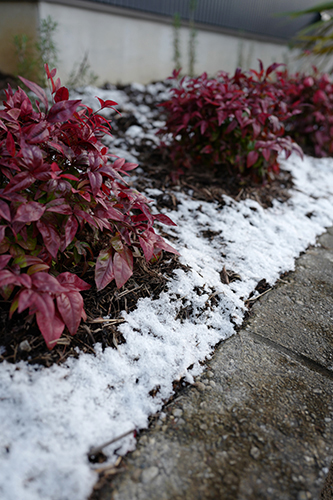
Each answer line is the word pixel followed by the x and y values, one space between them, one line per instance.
pixel 50 418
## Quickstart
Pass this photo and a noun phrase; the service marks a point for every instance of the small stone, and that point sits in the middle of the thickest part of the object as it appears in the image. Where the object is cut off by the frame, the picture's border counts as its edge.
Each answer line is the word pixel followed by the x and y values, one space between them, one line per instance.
pixel 304 495
pixel 327 420
pixel 203 427
pixel 164 428
pixel 136 475
pixel 212 383
pixel 177 412
pixel 180 421
pixel 255 452
pixel 200 386
pixel 25 346
pixel 149 474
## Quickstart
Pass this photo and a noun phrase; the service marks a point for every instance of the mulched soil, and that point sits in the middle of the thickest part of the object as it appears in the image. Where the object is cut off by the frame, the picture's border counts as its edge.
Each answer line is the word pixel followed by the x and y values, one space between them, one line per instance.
pixel 20 337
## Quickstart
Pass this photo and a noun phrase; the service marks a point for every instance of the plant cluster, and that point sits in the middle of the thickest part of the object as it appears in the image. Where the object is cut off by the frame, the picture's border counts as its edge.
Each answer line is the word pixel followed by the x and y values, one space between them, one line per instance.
pixel 229 122
pixel 312 96
pixel 63 202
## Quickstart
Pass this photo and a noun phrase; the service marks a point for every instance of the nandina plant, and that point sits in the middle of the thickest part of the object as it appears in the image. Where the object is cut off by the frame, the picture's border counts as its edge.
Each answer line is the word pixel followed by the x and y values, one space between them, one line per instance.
pixel 64 203
pixel 236 123
pixel 312 95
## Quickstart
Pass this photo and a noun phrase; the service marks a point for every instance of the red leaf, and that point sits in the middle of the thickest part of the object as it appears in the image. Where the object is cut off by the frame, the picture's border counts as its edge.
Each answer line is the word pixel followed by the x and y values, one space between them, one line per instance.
pixel 118 164
pixel 163 245
pixel 5 211
pixel 10 144
pixel 72 282
pixel 19 182
pixel 232 125
pixel 123 266
pixel 50 237
pixel 252 157
pixel 114 214
pixel 25 299
pixel 8 278
pixel 266 153
pixel 104 272
pixel 62 111
pixel 50 74
pixel 4 259
pixel 129 166
pixel 147 244
pixel 60 208
pixel 71 228
pixel 50 324
pixel 272 68
pixel 36 133
pixel 2 232
pixel 29 212
pixel 62 94
pixel 25 280
pixel 44 282
pixel 70 306
pixel 164 219
pixel 69 176
pixel 96 180
pixel 36 89
pixel 107 103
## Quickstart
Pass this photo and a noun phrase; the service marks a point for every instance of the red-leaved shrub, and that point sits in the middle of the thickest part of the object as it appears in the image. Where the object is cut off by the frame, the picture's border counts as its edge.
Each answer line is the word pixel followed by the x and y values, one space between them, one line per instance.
pixel 60 195
pixel 312 96
pixel 235 122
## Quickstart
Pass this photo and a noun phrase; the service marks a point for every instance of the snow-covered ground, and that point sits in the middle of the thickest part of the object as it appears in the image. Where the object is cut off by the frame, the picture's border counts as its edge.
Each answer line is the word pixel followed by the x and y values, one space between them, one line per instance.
pixel 51 417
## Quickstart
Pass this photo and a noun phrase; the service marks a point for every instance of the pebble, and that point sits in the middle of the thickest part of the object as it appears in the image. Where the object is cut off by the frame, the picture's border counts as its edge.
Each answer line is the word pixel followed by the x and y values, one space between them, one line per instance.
pixel 149 474
pixel 255 452
pixel 200 386
pixel 25 346
pixel 177 412
pixel 304 495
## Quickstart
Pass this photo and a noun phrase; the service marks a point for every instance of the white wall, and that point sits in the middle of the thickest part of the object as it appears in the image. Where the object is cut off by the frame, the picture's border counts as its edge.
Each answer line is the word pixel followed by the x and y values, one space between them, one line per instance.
pixel 123 48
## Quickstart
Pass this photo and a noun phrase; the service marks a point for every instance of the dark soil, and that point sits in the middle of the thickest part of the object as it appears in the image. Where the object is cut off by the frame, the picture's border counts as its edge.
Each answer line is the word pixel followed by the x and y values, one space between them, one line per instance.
pixel 20 337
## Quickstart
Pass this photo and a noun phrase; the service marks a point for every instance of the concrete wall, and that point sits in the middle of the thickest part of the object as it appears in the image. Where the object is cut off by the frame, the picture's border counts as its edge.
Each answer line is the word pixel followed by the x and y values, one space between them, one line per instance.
pixel 16 18
pixel 123 48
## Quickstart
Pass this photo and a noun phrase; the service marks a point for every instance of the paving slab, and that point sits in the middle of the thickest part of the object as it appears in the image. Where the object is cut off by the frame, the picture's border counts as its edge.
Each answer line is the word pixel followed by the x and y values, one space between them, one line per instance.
pixel 258 424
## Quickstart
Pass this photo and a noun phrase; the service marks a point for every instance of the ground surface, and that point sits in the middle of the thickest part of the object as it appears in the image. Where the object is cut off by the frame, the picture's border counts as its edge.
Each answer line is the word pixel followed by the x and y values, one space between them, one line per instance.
pixel 50 418
pixel 258 424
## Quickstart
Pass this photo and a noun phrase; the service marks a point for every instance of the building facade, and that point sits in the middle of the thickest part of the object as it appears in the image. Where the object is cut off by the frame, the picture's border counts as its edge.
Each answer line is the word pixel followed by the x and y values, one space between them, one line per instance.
pixel 133 40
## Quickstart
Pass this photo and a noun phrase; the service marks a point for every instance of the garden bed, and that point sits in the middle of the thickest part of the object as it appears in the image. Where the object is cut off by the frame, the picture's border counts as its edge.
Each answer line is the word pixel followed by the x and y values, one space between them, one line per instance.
pixel 234 240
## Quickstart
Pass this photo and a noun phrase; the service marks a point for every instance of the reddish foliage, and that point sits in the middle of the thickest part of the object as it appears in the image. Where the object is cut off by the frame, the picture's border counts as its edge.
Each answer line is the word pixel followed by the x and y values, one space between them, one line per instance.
pixel 237 122
pixel 312 95
pixel 57 186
